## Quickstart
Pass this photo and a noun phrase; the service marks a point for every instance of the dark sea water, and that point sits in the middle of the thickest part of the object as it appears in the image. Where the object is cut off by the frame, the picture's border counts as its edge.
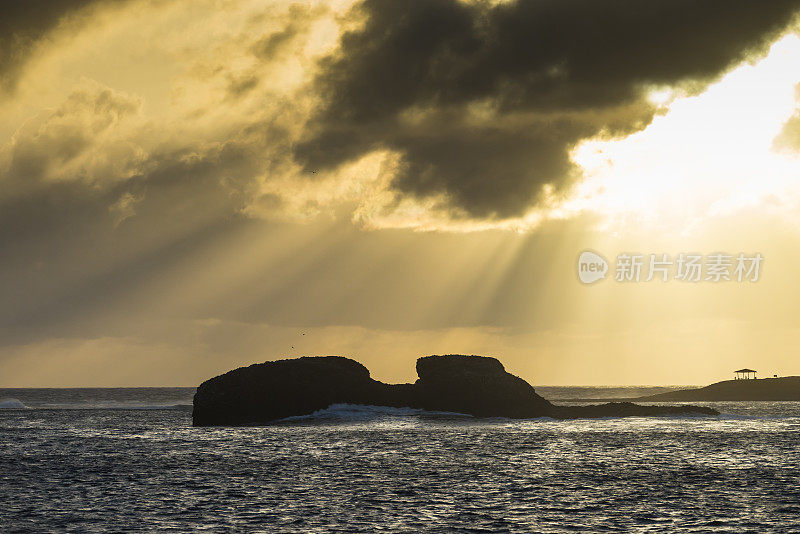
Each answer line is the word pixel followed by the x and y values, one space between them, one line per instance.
pixel 128 460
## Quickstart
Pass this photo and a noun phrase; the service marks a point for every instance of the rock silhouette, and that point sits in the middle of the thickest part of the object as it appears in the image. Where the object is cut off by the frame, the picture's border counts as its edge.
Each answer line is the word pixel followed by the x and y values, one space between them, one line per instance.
pixel 474 385
pixel 763 389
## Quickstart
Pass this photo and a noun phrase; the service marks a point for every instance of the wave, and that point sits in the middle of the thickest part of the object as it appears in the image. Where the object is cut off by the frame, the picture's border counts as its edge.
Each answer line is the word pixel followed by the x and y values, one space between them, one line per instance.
pixel 130 406
pixel 724 416
pixel 109 406
pixel 12 404
pixel 370 413
pixel 359 412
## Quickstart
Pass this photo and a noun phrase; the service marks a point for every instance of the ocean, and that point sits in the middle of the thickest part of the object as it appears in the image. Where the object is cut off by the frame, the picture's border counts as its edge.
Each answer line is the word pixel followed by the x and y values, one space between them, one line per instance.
pixel 128 460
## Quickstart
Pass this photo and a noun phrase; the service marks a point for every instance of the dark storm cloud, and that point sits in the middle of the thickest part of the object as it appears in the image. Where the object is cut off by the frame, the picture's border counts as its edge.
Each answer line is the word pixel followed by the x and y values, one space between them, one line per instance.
pixel 549 73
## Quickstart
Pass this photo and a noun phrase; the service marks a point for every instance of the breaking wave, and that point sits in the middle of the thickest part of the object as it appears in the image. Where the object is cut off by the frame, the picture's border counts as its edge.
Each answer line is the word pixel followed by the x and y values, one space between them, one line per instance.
pixel 358 412
pixel 12 404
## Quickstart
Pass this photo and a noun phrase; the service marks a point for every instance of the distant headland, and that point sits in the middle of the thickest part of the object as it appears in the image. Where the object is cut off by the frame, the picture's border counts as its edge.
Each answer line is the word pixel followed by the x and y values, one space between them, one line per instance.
pixel 475 385
pixel 763 389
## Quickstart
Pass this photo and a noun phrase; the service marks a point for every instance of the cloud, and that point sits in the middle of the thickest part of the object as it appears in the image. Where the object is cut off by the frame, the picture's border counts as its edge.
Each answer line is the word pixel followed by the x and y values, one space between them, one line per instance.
pixel 483 102
pixel 152 182
pixel 297 24
pixel 24 25
pixel 473 108
pixel 789 137
pixel 77 141
pixel 96 196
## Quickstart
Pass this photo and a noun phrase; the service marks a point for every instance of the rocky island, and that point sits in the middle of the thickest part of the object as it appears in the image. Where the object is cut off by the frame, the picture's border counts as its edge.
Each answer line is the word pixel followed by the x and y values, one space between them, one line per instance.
pixel 474 385
pixel 763 389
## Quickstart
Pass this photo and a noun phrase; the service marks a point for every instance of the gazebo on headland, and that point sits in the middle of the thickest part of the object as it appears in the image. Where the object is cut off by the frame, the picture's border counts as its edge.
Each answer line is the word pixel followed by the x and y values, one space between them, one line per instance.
pixel 743 374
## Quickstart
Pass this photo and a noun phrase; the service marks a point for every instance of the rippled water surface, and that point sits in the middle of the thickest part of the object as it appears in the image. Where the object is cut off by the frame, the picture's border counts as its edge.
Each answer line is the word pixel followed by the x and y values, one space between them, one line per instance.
pixel 128 460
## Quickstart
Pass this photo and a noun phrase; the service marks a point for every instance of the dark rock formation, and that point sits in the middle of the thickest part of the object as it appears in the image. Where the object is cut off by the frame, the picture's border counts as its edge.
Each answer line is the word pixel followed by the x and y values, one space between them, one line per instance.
pixel 764 389
pixel 273 390
pixel 475 385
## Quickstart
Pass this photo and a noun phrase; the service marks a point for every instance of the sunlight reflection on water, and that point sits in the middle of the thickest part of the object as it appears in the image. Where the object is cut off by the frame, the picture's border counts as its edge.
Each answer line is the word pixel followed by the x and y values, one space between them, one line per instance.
pixel 99 470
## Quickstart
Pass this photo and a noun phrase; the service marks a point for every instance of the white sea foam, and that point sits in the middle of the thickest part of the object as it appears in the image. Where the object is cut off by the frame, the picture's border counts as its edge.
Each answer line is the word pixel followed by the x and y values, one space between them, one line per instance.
pixel 12 404
pixel 358 412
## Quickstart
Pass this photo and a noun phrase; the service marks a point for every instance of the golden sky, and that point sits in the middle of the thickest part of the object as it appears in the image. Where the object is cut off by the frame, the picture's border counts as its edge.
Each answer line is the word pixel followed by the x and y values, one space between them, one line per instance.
pixel 191 186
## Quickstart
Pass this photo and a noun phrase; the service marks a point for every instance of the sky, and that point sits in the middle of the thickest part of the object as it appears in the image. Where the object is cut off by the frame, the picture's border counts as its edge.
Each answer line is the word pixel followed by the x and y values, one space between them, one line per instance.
pixel 189 186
